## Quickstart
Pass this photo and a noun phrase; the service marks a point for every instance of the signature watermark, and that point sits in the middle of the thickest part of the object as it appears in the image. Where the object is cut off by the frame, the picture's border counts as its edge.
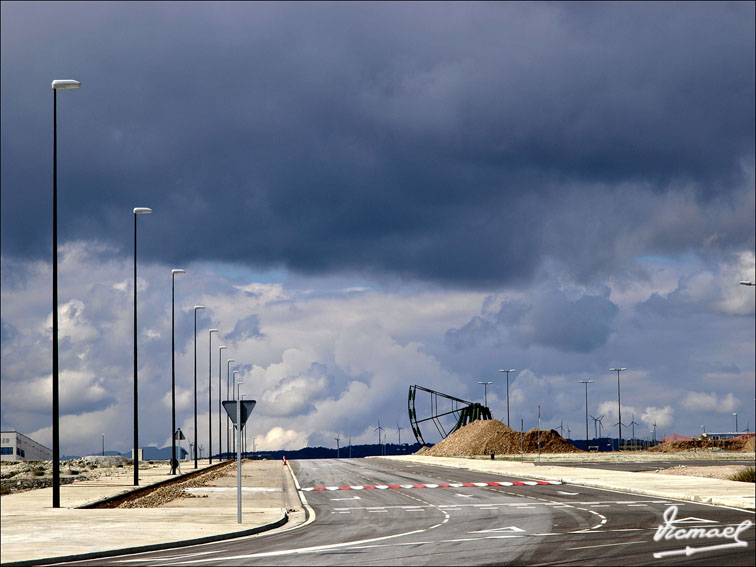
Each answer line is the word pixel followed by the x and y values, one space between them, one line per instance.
pixel 669 531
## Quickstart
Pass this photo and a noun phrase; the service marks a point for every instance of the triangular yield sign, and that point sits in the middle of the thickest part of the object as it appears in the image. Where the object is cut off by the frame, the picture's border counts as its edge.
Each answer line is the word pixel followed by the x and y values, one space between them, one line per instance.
pixel 246 409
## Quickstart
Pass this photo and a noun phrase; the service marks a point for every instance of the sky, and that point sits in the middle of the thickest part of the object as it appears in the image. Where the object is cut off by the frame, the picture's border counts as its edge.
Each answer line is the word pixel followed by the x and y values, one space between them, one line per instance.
pixel 367 196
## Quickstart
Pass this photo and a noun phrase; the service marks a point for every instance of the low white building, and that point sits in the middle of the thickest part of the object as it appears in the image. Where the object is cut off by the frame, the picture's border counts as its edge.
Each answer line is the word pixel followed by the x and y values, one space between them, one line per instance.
pixel 18 447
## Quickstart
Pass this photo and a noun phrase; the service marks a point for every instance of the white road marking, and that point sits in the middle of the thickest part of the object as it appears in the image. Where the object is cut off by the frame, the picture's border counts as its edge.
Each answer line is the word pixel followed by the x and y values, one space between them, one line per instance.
pixel 172 557
pixel 567 493
pixel 313 549
pixel 350 498
pixel 499 530
pixel 605 545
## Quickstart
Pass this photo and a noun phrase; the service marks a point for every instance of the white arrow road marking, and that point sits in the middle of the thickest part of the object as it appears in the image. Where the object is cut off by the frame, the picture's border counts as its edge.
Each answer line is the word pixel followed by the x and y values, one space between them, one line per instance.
pixel 688 551
pixel 464 495
pixel 692 520
pixel 499 530
pixel 351 498
pixel 567 493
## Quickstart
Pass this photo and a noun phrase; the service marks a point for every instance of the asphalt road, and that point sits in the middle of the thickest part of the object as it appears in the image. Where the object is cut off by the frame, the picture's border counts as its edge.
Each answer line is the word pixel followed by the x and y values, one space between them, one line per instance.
pixel 468 525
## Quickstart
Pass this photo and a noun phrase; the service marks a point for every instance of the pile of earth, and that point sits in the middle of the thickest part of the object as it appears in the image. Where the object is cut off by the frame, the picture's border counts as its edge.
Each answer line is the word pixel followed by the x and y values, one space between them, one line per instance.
pixel 704 443
pixel 483 437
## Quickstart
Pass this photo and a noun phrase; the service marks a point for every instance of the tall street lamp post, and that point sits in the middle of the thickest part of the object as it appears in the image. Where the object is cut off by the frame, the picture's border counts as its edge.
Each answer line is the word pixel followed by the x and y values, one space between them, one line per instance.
pixel 619 404
pixel 58 84
pixel 586 382
pixel 220 397
pixel 485 392
pixel 228 419
pixel 210 393
pixel 233 389
pixel 507 373
pixel 173 370
pixel 196 307
pixel 137 211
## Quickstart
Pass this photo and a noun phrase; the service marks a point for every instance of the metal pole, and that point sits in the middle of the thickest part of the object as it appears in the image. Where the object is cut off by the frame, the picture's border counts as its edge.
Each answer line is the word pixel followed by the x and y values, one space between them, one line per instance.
pixel 619 404
pixel 228 419
pixel 220 392
pixel 522 444
pixel 195 389
pixel 586 382
pixel 55 393
pixel 507 399
pixel 210 393
pixel 136 403
pixel 233 388
pixel 173 379
pixel 103 444
pixel 238 460
pixel 539 433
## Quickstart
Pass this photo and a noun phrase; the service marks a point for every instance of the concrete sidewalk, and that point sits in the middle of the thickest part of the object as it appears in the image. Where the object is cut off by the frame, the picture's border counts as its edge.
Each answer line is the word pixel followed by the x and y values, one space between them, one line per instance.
pixel 31 530
pixel 693 489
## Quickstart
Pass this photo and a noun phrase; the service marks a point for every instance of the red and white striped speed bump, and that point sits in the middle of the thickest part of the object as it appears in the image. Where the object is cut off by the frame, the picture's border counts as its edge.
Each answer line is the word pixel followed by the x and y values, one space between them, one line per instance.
pixel 449 485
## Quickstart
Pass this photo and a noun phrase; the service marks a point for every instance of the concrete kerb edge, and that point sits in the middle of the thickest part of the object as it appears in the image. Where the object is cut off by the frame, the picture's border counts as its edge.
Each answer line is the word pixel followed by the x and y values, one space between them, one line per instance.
pixel 605 486
pixel 309 512
pixel 152 547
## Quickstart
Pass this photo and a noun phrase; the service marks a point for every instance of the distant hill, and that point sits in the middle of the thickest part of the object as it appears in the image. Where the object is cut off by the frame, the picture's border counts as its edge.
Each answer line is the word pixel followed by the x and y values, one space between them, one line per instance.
pixel 358 451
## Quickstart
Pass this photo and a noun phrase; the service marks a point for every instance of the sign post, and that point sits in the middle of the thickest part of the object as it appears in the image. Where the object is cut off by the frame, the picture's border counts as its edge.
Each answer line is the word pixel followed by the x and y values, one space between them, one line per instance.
pixel 239 411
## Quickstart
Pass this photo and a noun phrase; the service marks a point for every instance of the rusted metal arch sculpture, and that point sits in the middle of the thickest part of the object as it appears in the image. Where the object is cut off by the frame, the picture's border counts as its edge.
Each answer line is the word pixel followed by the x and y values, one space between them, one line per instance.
pixel 464 412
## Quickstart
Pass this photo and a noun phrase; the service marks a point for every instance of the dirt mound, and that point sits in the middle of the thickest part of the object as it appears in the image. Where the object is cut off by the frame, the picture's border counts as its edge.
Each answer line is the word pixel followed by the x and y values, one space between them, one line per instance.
pixel 483 437
pixel 422 450
pixel 750 445
pixel 746 445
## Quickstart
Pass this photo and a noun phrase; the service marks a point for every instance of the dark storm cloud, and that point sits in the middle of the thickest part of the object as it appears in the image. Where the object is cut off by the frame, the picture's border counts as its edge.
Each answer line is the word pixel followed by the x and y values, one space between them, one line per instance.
pixel 458 143
pixel 553 320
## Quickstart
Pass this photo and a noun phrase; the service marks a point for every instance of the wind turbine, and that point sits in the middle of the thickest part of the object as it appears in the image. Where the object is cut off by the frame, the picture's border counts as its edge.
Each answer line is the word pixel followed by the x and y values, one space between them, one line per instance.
pixel 597 424
pixel 561 428
pixel 654 431
pixel 399 432
pixel 618 439
pixel 633 423
pixel 379 429
pixel 337 438
pixel 350 445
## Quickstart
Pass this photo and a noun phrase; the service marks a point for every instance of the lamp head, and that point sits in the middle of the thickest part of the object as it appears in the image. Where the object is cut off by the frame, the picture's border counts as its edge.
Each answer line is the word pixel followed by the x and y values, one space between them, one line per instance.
pixel 61 84
pixel 199 307
pixel 222 347
pixel 142 211
pixel 177 271
pixel 213 330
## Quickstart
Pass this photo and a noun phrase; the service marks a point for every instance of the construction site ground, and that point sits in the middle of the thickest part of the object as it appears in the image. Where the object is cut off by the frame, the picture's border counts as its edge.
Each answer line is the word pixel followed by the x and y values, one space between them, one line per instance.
pixel 202 508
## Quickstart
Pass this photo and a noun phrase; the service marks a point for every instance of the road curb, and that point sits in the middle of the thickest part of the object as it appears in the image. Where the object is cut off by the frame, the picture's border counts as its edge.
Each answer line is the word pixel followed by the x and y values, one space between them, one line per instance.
pixel 309 512
pixel 713 501
pixel 152 547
